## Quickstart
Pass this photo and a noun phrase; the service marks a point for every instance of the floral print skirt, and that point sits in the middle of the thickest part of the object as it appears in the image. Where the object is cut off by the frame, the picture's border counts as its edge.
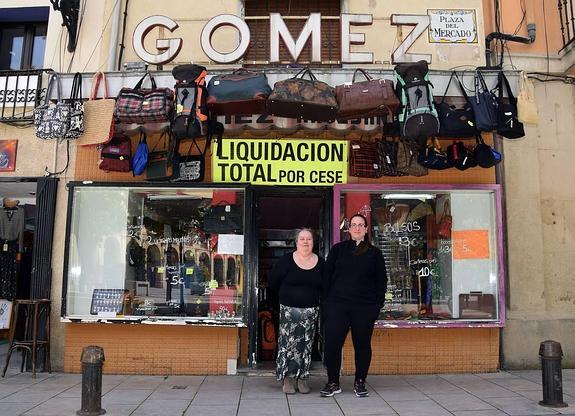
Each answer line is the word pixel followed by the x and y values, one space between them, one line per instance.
pixel 295 341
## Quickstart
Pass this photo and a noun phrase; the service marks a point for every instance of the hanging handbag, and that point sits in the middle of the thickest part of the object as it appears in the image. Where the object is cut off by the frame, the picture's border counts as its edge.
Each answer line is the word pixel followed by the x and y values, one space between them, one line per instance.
pixel 52 121
pixel 116 156
pixel 223 219
pixel 387 154
pixel 445 223
pixel 160 162
pixel 455 121
pixel 485 155
pixel 407 152
pixel 508 125
pixel 432 157
pixel 189 167
pixel 303 99
pixel 484 104
pixel 460 156
pixel 141 106
pixel 364 160
pixel 98 115
pixel 243 92
pixel 527 112
pixel 76 127
pixel 140 160
pixel 366 99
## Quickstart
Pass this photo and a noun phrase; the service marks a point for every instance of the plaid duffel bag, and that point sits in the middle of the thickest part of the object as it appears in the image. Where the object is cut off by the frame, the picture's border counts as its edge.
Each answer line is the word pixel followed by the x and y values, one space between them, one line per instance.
pixel 140 105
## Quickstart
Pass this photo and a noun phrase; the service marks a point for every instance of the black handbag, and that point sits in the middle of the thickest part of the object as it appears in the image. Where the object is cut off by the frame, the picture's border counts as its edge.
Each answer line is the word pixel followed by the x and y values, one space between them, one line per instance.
pixel 76 127
pixel 432 157
pixel 460 156
pixel 387 154
pixel 508 125
pixel 189 167
pixel 484 104
pixel 223 219
pixel 485 155
pixel 454 121
pixel 160 162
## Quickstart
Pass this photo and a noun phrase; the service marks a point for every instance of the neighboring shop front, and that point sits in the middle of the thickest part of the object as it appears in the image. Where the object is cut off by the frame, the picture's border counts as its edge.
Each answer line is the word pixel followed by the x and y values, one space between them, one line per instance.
pixel 171 277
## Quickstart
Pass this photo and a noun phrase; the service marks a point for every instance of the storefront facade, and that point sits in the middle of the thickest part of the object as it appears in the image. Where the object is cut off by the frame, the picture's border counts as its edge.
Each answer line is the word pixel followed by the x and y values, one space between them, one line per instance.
pixel 171 277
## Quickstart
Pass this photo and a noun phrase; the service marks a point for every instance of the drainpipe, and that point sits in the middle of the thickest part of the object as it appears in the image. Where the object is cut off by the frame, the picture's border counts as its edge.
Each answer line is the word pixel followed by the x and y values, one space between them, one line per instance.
pixel 114 36
pixel 530 19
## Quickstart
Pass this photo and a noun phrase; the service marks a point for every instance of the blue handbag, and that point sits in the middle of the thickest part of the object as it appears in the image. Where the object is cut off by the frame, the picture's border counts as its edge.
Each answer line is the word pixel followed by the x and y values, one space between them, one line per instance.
pixel 140 159
pixel 484 104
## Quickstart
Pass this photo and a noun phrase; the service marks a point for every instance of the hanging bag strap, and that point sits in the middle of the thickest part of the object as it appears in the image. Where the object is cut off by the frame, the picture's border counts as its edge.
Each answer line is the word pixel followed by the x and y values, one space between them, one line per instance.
pixel 54 78
pixel 76 91
pixel 504 82
pixel 303 73
pixel 141 81
pixel 364 73
pixel 461 87
pixel 99 76
pixel 447 88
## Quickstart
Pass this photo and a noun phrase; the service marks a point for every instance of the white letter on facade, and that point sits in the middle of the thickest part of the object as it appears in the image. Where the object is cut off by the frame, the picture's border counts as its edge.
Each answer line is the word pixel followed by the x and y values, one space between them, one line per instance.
pixel 312 28
pixel 347 38
pixel 225 20
pixel 421 22
pixel 171 47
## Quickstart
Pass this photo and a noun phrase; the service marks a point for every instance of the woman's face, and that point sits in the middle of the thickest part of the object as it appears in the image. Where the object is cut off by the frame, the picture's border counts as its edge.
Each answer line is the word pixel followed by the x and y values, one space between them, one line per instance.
pixel 357 228
pixel 304 242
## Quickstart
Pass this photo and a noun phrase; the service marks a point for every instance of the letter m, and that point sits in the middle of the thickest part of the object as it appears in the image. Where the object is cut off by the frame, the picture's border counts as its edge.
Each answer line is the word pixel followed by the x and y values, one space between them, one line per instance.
pixel 311 28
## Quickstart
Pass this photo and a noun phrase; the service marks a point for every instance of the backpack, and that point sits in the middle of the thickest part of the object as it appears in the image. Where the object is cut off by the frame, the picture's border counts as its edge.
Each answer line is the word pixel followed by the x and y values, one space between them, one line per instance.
pixel 191 101
pixel 418 116
pixel 116 155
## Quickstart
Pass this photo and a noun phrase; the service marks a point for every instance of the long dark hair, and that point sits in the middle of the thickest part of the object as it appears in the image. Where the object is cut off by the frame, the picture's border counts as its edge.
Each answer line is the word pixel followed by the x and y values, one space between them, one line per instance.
pixel 363 246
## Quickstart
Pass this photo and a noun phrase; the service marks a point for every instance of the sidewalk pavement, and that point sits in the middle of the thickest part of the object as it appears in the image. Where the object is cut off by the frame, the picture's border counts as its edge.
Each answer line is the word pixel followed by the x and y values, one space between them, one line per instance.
pixel 497 394
pixel 493 394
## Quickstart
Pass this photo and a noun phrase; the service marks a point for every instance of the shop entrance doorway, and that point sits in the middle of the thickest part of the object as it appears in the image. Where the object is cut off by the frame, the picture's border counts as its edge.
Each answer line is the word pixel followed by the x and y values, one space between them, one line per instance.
pixel 278 214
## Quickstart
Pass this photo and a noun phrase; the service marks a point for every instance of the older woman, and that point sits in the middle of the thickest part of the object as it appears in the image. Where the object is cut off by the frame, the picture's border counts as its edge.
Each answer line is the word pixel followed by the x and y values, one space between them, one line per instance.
pixel 297 277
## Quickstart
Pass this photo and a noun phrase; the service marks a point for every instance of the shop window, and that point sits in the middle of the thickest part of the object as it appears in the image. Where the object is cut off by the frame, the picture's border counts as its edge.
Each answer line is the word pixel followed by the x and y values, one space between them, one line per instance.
pixel 441 250
pixel 295 13
pixel 23 37
pixel 143 253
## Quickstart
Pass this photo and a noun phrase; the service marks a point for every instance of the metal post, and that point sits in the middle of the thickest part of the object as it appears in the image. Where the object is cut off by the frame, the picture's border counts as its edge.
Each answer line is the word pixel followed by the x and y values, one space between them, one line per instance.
pixel 92 361
pixel 551 353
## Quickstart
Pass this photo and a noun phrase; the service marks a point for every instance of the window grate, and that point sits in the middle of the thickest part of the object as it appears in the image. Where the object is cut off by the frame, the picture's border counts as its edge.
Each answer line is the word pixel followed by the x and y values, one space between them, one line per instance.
pixel 567 21
pixel 20 93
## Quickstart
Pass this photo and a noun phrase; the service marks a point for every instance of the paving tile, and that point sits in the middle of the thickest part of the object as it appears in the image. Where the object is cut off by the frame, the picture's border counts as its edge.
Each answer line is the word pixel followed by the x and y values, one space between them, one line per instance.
pixel 222 383
pixel 372 405
pixel 517 384
pixel 220 410
pixel 171 393
pixel 480 413
pixel 55 407
pixel 400 393
pixel 326 409
pixel 214 397
pixel 308 399
pixel 141 382
pixel 271 407
pixel 483 389
pixel 183 381
pixel 457 402
pixel 418 408
pixel 519 406
pixel 119 409
pixel 262 388
pixel 387 381
pixel 162 408
pixel 497 375
pixel 27 396
pixel 125 396
pixel 15 408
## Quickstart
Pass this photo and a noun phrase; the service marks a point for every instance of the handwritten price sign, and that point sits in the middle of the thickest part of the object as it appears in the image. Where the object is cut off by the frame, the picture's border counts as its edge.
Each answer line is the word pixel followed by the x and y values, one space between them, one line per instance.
pixel 470 244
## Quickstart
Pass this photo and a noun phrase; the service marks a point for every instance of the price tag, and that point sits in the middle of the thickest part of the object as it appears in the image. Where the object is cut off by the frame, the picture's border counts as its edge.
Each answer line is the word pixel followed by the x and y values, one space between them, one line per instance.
pixel 5 247
pixel 189 270
pixel 161 269
pixel 213 284
pixel 388 296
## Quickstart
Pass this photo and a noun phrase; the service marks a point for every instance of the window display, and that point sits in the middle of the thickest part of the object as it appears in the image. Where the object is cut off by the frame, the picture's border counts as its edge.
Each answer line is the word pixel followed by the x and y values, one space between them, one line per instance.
pixel 144 253
pixel 441 249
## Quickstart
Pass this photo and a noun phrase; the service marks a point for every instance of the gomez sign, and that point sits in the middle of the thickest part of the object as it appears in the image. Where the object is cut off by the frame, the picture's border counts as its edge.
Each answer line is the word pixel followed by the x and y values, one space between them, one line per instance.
pixel 169 48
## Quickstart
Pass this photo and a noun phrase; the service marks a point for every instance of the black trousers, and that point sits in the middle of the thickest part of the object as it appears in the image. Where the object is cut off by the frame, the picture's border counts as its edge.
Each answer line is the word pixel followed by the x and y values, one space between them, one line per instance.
pixel 338 319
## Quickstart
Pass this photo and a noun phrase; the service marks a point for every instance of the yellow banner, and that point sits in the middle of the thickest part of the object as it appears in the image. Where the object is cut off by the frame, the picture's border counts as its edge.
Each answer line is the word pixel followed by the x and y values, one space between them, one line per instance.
pixel 280 162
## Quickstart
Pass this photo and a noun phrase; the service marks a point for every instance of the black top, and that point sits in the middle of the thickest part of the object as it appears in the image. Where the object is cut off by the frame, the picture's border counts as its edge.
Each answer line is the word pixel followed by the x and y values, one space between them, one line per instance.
pixel 297 287
pixel 355 279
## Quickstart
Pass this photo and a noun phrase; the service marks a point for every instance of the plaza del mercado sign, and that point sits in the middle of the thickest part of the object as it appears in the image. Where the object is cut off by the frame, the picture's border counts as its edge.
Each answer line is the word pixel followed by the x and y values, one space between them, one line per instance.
pixel 170 47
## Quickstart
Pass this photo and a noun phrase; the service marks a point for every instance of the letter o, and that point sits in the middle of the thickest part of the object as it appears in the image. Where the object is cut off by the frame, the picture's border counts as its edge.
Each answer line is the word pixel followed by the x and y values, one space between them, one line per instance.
pixel 215 23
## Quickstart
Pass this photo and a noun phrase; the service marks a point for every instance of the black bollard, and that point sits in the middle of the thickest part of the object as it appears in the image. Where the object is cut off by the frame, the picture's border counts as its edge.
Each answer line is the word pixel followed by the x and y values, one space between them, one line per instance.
pixel 92 362
pixel 551 353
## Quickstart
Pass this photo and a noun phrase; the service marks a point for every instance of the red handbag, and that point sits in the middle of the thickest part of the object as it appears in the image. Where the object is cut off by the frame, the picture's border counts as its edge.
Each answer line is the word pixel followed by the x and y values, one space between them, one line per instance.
pixel 445 224
pixel 116 156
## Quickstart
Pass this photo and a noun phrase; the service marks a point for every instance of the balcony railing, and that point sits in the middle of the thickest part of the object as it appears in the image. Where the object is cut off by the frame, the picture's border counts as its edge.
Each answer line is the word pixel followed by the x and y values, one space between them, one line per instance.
pixel 567 19
pixel 20 93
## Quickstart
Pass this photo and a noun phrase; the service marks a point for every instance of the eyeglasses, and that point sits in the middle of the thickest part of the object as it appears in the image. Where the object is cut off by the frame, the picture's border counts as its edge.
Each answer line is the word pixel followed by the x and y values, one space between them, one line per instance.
pixel 356 225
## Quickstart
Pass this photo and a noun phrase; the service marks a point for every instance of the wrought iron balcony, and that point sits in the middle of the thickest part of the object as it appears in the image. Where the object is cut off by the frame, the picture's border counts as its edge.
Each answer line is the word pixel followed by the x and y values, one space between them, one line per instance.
pixel 567 19
pixel 20 93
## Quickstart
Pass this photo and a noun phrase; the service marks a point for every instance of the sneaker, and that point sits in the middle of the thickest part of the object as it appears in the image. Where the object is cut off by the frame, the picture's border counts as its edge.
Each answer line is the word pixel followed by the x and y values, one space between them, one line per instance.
pixel 359 388
pixel 330 389
pixel 289 385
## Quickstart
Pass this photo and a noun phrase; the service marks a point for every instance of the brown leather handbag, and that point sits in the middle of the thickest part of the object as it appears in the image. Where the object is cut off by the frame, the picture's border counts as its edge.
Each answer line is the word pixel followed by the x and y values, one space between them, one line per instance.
pixel 303 99
pixel 374 97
